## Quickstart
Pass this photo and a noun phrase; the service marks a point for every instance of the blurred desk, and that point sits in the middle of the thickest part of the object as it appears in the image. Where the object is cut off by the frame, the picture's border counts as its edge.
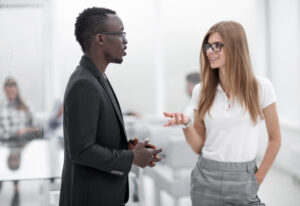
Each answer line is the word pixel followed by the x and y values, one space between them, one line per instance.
pixel 173 174
pixel 39 160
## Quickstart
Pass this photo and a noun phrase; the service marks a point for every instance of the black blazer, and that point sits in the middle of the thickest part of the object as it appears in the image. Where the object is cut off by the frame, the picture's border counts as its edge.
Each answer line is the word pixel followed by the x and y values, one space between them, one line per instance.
pixel 97 162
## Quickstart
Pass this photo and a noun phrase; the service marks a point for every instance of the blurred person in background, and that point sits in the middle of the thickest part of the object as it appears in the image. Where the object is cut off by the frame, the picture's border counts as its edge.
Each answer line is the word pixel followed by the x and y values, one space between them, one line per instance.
pixel 98 156
pixel 192 79
pixel 56 119
pixel 16 127
pixel 54 127
pixel 228 105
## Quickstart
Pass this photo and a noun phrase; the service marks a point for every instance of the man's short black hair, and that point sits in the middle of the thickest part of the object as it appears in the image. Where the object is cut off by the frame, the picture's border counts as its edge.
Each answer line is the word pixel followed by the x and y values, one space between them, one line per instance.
pixel 193 77
pixel 88 23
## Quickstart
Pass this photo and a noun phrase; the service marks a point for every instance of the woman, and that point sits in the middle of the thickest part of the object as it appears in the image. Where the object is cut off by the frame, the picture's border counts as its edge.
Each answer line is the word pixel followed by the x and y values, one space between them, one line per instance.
pixel 228 105
pixel 16 118
pixel 16 125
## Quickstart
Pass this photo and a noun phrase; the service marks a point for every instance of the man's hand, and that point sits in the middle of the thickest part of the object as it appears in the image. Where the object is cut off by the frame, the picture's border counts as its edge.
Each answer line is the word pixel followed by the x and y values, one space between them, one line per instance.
pixel 157 158
pixel 145 154
pixel 132 143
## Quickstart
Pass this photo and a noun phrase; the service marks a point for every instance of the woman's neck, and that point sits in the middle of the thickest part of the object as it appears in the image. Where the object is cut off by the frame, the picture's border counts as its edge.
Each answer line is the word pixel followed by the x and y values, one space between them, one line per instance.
pixel 224 80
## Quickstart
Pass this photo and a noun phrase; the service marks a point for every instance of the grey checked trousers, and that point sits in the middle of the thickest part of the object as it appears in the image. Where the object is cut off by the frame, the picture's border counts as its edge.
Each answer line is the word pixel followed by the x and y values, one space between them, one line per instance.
pixel 215 183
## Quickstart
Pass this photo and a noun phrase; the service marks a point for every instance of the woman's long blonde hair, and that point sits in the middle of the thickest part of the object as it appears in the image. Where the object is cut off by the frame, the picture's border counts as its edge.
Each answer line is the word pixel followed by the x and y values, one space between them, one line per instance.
pixel 243 84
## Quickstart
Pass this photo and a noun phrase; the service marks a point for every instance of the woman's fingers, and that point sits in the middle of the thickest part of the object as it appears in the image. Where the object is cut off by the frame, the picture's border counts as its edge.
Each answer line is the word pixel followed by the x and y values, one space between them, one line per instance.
pixel 184 118
pixel 168 114
pixel 175 118
pixel 170 122
pixel 178 118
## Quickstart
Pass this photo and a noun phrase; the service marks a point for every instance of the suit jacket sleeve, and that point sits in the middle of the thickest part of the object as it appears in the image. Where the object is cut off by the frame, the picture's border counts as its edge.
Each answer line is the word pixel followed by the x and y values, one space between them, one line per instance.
pixel 82 104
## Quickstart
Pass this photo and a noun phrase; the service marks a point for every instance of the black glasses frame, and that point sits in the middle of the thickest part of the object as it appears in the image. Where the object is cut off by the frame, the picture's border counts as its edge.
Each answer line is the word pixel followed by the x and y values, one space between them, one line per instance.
pixel 121 33
pixel 213 46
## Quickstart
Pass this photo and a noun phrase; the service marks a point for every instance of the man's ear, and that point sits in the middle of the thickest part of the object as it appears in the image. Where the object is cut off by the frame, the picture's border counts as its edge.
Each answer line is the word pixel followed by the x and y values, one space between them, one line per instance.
pixel 99 39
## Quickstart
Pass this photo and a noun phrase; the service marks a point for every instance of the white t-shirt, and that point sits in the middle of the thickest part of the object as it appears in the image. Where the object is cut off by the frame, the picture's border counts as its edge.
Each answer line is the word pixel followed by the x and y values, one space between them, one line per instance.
pixel 231 136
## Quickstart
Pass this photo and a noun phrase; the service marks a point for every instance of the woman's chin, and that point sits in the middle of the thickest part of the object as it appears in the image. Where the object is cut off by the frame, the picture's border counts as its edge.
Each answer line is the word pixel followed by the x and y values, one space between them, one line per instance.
pixel 214 67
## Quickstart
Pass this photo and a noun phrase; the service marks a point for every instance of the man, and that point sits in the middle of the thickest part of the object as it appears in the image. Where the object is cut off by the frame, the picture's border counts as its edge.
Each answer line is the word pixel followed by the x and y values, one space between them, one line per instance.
pixel 97 159
pixel 191 80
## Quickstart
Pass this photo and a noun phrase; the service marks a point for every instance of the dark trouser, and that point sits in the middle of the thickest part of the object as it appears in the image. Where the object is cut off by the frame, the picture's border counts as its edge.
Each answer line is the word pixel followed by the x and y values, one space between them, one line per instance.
pixel 215 183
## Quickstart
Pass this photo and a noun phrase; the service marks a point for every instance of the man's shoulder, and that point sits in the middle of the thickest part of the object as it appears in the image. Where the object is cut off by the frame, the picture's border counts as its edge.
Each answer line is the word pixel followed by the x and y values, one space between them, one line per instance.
pixel 81 74
pixel 81 78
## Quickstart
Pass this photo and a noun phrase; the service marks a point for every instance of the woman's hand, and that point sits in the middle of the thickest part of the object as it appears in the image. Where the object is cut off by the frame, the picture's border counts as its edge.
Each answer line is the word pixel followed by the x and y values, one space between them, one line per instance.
pixel 21 132
pixel 259 179
pixel 26 130
pixel 176 119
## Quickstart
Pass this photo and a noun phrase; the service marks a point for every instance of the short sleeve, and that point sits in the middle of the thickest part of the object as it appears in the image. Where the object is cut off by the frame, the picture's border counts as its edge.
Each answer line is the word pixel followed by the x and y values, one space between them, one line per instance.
pixel 267 93
pixel 195 96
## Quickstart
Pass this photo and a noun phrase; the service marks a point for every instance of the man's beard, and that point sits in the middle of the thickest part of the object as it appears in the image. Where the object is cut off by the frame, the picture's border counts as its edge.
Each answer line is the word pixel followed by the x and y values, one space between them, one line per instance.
pixel 118 61
pixel 114 59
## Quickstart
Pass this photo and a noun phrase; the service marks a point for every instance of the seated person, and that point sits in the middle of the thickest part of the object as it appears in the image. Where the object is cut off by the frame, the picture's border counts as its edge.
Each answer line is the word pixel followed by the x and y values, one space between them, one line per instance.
pixel 55 123
pixel 16 127
pixel 16 120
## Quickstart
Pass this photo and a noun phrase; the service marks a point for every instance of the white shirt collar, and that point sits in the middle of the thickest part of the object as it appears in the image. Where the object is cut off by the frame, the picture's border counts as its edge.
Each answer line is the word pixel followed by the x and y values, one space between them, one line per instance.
pixel 219 87
pixel 104 75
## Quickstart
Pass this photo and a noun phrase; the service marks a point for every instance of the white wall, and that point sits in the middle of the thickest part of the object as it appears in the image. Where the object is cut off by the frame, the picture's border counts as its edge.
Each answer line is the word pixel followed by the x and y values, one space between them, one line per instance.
pixel 285 53
pixel 164 45
pixel 21 54
pixel 285 63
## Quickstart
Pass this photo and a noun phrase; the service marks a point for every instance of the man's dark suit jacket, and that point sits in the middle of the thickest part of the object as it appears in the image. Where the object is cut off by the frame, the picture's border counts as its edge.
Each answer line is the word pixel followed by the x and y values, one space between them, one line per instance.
pixel 97 161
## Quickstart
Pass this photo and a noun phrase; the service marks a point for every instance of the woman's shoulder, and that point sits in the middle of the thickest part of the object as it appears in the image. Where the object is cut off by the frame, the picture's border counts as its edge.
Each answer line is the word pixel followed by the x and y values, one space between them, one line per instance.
pixel 196 95
pixel 263 81
pixel 266 91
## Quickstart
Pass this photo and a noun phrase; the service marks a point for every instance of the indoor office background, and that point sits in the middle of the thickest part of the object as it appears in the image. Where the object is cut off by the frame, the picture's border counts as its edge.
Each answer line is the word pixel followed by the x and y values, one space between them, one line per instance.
pixel 38 49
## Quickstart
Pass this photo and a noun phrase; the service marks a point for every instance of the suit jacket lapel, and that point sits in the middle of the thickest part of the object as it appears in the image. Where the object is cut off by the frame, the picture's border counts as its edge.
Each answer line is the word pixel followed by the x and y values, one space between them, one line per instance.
pixel 87 63
pixel 112 97
pixel 115 97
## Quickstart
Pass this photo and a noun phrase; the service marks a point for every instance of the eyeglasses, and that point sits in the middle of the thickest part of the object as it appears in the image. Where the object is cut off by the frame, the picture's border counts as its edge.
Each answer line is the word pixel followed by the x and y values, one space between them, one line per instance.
pixel 121 33
pixel 216 47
